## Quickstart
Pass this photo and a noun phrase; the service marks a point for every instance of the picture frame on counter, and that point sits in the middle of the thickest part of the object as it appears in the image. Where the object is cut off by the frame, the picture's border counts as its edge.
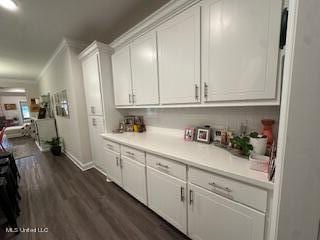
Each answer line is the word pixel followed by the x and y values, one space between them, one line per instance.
pixel 203 135
pixel 189 134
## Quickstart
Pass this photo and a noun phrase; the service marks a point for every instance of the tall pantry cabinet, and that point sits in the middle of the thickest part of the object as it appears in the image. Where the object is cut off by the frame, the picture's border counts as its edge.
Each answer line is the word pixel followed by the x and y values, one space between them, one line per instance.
pixel 102 116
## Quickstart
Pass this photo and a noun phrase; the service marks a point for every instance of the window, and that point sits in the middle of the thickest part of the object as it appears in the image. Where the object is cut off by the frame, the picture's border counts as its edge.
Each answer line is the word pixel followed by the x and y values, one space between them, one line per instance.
pixel 25 112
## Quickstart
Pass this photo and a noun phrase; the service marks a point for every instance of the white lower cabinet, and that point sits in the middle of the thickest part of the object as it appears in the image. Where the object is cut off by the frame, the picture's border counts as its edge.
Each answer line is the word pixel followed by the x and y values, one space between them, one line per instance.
pixel 166 196
pixel 203 205
pixel 134 178
pixel 211 216
pixel 96 127
pixel 113 166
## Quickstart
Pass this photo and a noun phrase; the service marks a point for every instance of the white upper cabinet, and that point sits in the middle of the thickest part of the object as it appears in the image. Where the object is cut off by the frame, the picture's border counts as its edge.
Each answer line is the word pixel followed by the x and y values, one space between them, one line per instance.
pixel 240 45
pixel 179 58
pixel 145 70
pixel 122 77
pixel 91 77
pixel 211 216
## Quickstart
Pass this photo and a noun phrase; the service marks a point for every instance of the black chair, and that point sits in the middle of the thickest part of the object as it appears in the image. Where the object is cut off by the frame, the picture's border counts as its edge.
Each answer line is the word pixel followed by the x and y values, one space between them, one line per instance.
pixel 6 205
pixel 12 188
pixel 12 162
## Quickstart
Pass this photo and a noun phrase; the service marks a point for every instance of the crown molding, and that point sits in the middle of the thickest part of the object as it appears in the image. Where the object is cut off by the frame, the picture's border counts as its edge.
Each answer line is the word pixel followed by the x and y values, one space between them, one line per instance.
pixel 96 47
pixel 64 44
pixel 161 15
pixel 15 80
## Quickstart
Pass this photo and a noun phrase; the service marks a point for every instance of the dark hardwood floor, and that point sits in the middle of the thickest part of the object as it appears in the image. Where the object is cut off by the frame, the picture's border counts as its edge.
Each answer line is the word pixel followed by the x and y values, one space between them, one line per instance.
pixel 79 205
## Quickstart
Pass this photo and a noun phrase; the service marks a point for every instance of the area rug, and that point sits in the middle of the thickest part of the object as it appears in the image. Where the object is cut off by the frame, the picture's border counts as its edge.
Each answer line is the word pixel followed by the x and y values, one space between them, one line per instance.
pixel 21 151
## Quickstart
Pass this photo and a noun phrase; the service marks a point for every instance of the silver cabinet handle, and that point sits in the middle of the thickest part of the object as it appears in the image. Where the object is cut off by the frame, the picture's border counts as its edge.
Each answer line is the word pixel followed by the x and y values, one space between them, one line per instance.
pixel 196 89
pixel 117 160
pixel 182 197
pixel 120 161
pixel 110 146
pixel 205 91
pixel 190 197
pixel 162 165
pixel 130 98
pixel 92 109
pixel 94 122
pixel 213 184
pixel 133 98
pixel 130 153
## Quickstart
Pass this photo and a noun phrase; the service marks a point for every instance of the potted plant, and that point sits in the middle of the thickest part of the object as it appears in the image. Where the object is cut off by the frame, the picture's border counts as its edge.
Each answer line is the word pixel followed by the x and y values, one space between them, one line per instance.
pixel 243 144
pixel 55 145
pixel 259 143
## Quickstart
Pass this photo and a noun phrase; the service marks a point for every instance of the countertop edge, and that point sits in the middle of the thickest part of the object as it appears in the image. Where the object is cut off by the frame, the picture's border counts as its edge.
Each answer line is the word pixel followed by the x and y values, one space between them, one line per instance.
pixel 265 185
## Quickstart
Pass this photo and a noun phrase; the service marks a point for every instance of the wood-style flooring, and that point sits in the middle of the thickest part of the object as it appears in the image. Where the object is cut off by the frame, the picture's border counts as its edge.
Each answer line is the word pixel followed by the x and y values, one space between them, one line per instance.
pixel 76 205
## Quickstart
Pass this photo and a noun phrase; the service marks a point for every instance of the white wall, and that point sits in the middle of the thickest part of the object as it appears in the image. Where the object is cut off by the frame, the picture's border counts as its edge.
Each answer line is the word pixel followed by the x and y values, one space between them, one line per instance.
pixel 31 87
pixel 9 114
pixel 232 117
pixel 298 179
pixel 64 72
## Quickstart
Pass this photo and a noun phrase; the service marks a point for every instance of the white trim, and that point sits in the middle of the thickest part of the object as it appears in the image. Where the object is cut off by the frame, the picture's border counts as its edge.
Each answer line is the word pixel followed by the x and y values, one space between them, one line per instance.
pixel 204 105
pixel 94 47
pixel 78 163
pixel 14 80
pixel 164 13
pixel 284 113
pixel 61 47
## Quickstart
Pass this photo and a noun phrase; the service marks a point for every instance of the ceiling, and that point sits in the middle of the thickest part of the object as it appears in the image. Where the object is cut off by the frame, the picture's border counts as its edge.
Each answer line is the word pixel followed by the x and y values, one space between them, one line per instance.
pixel 29 36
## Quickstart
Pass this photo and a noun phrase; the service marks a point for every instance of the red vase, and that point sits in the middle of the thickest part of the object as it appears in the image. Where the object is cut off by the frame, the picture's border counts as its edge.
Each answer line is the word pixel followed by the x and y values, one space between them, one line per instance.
pixel 267 129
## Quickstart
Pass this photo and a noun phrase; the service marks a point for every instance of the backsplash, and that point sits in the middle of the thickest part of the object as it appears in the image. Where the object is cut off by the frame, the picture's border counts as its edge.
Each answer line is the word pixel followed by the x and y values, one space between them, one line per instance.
pixel 180 118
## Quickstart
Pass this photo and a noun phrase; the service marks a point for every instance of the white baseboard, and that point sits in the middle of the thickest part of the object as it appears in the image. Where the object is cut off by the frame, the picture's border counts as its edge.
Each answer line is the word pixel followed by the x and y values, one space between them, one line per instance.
pixel 79 164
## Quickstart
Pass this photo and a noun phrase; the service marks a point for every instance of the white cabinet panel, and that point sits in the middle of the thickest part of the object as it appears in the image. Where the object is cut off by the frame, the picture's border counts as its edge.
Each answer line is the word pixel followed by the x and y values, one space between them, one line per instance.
pixel 166 196
pixel 240 49
pixel 122 77
pixel 145 70
pixel 214 217
pixel 134 178
pixel 179 58
pixel 91 78
pixel 113 166
pixel 96 127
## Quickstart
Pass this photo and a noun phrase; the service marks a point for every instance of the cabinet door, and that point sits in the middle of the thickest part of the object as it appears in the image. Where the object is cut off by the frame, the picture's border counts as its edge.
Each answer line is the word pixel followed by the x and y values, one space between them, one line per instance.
pixel 166 196
pixel 240 49
pixel 179 58
pixel 96 127
pixel 91 78
pixel 214 217
pixel 122 77
pixel 134 178
pixel 145 70
pixel 113 166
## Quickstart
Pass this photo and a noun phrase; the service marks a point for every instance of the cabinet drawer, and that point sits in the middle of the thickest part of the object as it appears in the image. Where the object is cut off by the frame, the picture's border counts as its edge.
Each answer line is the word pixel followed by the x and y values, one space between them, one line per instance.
pixel 167 166
pixel 237 191
pixel 115 147
pixel 133 153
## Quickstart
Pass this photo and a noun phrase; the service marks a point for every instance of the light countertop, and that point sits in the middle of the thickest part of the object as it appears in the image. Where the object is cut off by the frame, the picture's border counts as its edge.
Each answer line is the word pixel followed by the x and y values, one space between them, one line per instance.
pixel 203 156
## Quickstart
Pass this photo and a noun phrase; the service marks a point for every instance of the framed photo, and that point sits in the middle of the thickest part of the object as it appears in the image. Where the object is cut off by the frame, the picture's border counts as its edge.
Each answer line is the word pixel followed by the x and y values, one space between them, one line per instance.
pixel 203 135
pixel 189 134
pixel 10 106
